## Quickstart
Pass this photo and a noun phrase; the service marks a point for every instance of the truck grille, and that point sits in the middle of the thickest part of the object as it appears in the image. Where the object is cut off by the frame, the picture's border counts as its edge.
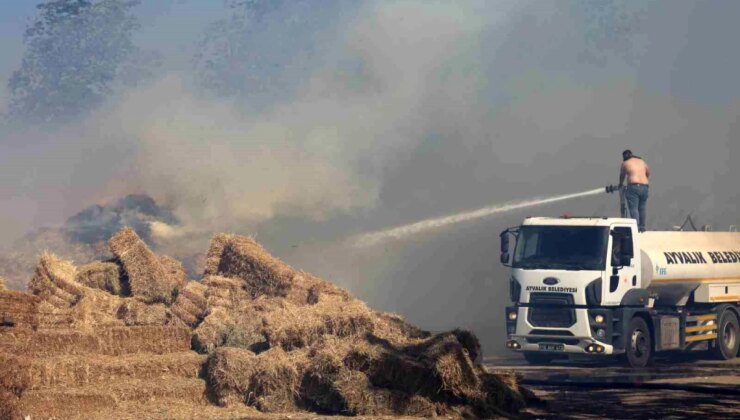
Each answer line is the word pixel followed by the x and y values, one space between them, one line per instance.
pixel 551 310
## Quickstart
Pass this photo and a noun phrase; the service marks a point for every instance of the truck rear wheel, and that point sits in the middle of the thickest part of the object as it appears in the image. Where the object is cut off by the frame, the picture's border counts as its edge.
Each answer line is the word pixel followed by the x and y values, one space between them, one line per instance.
pixel 537 358
pixel 728 339
pixel 639 350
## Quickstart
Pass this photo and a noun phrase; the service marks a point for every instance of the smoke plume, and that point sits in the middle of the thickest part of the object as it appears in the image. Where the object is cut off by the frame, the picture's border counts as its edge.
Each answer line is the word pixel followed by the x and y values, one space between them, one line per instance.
pixel 407 110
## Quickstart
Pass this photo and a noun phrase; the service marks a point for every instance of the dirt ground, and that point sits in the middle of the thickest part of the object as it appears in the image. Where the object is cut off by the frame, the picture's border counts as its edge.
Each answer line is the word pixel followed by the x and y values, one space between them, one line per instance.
pixel 675 388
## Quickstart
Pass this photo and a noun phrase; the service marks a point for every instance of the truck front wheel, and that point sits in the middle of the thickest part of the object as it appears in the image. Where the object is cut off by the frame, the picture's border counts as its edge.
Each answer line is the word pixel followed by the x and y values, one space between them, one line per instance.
pixel 639 350
pixel 537 358
pixel 726 345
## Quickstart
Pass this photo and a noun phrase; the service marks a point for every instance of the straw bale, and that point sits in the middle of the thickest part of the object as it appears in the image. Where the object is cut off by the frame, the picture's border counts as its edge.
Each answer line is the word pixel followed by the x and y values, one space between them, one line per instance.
pixel 216 249
pixel 230 370
pixel 439 368
pixel 96 308
pixel 76 371
pixel 212 332
pixel 299 326
pixel 53 316
pixel 397 330
pixel 175 272
pixel 2 284
pixel 275 381
pixel 195 292
pixel 147 278
pixel 64 403
pixel 18 310
pixel 134 312
pixel 268 382
pixel 244 258
pixel 14 374
pixel 101 275
pixel 55 277
pixel 9 408
pixel 337 390
pixel 105 340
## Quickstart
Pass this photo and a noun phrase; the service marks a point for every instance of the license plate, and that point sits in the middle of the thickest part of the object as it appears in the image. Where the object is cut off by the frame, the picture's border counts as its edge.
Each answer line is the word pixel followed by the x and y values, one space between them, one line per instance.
pixel 552 347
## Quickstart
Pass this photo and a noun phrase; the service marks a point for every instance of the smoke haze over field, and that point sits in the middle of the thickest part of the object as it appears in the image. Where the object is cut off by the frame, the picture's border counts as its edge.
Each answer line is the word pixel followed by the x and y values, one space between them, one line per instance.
pixel 366 115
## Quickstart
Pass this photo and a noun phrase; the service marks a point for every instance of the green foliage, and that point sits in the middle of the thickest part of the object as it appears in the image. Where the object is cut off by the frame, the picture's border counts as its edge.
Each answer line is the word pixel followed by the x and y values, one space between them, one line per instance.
pixel 74 50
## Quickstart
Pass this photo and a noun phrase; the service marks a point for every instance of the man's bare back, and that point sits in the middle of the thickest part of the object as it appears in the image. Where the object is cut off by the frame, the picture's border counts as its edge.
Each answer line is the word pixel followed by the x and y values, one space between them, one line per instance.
pixel 636 171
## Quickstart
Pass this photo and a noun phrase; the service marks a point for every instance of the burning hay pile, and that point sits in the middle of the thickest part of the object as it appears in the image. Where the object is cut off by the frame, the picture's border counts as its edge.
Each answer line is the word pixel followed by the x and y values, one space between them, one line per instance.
pixel 269 336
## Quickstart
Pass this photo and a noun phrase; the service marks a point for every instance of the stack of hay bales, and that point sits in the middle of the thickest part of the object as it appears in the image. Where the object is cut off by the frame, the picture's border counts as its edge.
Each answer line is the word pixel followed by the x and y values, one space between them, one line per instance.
pixel 269 337
pixel 148 279
pixel 325 351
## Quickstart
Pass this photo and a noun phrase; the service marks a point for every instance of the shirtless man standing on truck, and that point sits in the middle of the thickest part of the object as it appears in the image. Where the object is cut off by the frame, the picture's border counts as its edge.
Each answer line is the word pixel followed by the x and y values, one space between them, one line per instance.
pixel 637 173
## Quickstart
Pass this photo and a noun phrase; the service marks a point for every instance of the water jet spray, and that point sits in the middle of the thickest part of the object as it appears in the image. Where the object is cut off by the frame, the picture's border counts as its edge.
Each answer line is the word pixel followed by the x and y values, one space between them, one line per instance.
pixel 404 231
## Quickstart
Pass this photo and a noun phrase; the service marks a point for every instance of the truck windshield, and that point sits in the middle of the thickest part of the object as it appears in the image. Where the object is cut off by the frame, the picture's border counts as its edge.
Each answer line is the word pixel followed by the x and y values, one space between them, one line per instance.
pixel 561 247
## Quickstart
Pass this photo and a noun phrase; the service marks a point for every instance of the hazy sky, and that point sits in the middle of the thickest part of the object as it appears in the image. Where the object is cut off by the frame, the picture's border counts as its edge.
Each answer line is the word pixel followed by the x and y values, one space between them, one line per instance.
pixel 403 110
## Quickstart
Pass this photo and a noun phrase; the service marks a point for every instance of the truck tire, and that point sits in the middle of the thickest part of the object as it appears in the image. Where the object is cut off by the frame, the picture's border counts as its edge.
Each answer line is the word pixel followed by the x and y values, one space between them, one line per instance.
pixel 639 348
pixel 728 336
pixel 537 358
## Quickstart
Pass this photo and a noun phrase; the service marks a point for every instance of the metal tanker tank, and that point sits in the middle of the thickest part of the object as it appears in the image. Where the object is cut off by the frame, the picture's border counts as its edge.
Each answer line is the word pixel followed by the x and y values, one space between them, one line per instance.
pixel 674 264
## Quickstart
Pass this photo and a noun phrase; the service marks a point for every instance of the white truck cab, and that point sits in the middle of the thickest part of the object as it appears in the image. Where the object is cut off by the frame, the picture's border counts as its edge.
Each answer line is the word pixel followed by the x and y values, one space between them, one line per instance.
pixel 595 286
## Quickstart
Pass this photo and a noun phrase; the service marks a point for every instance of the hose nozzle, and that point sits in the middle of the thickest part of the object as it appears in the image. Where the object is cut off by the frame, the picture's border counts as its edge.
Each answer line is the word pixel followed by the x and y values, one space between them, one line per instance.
pixel 611 188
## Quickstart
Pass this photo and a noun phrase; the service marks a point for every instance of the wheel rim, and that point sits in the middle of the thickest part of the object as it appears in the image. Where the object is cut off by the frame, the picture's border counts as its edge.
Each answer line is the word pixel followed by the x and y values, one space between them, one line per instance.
pixel 729 335
pixel 639 344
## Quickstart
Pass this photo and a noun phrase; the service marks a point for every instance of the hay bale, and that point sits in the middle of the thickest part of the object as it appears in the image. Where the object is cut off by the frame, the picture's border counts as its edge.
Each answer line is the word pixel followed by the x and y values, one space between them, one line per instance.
pixel 292 327
pixel 229 373
pixel 133 312
pixel 103 276
pixel 268 382
pixel 18 310
pixel 147 278
pixel 213 257
pixel 175 272
pixel 9 406
pixel 111 341
pixel 243 258
pixel 223 292
pixel 212 332
pixel 2 284
pixel 74 371
pixel 195 292
pixel 275 381
pixel 439 369
pixel 55 277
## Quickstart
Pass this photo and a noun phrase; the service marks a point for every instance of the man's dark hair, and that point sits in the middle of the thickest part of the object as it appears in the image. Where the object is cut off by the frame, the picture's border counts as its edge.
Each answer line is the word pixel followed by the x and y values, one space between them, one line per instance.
pixel 627 154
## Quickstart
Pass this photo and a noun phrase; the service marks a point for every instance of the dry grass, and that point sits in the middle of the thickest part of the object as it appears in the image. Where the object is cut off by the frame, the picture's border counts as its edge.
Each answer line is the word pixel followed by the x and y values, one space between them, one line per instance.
pixel 133 312
pixel 147 278
pixel 103 276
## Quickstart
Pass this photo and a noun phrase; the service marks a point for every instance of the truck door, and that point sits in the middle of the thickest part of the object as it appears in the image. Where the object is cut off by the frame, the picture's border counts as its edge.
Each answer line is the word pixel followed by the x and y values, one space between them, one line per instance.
pixel 623 264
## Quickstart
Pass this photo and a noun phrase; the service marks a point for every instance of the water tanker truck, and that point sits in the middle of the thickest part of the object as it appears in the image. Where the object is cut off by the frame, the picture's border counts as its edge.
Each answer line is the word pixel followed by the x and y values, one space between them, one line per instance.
pixel 595 287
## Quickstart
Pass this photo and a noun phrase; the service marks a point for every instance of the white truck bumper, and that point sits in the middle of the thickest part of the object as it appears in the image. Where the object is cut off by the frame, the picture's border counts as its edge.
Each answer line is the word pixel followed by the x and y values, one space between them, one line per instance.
pixel 576 339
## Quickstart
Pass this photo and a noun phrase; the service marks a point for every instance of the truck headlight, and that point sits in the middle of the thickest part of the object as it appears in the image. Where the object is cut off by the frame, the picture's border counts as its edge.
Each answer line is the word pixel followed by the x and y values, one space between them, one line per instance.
pixel 512 316
pixel 599 319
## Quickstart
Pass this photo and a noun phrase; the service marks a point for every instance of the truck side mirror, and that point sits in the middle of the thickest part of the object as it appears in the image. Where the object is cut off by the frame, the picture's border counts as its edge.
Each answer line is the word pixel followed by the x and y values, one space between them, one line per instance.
pixel 505 257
